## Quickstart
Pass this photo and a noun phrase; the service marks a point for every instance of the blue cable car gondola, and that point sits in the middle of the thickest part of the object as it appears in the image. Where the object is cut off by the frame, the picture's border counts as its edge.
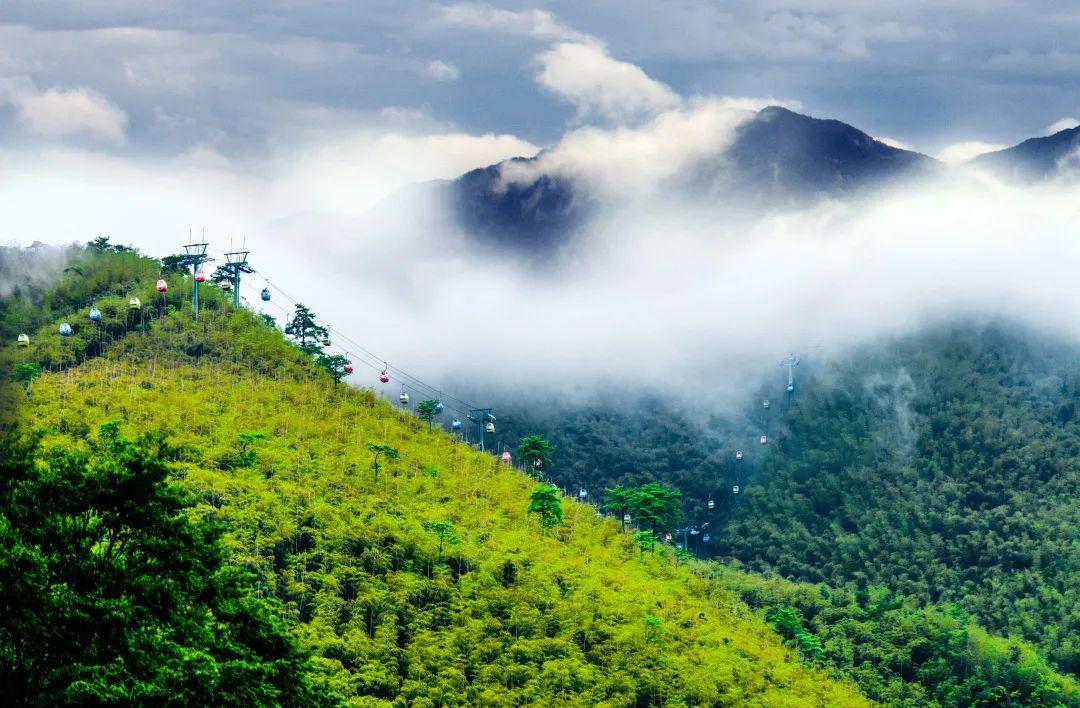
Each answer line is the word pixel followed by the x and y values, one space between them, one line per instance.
pixel 289 329
pixel 456 425
pixel 265 294
pixel 95 314
pixel 439 407
pixel 65 329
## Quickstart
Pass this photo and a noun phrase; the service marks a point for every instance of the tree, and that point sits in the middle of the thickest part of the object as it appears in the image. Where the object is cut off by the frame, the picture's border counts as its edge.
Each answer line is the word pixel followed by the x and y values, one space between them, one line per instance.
pixel 116 593
pixel 306 330
pixel 444 531
pixel 427 410
pixel 546 502
pixel 535 452
pixel 386 451
pixel 334 364
pixel 176 263
pixel 25 374
pixel 245 454
pixel 620 500
pixel 658 504
pixel 644 540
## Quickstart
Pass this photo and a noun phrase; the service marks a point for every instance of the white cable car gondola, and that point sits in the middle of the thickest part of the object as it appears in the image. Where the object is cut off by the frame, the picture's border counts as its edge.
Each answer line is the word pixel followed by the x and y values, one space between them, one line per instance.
pixel 765 404
pixel 404 397
pixel 764 439
pixel 738 455
pixel 24 340
pixel 65 329
pixel 711 504
pixel 489 427
pixel 735 489
pixel 583 494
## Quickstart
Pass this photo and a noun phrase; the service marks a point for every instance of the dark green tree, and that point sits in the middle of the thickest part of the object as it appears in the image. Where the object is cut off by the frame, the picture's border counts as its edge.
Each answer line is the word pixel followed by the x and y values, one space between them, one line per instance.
pixel 334 364
pixel 444 531
pixel 308 333
pixel 114 593
pixel 535 453
pixel 657 504
pixel 546 502
pixel 427 410
pixel 385 451
pixel 25 373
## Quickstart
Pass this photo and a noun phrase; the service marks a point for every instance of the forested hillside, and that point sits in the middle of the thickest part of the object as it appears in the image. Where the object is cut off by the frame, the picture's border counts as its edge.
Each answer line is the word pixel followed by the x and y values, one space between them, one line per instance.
pixel 944 466
pixel 231 525
pixel 408 566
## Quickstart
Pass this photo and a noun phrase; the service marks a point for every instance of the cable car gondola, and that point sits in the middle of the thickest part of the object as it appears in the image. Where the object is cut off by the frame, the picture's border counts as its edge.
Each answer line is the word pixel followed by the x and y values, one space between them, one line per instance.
pixel 735 489
pixel 489 427
pixel 290 329
pixel 65 329
pixel 456 425
pixel 505 457
pixel 23 340
pixel 439 407
pixel 712 504
pixel 538 464
pixel 265 294
pixel 583 494
pixel 791 388
pixel 764 439
pixel 384 376
pixel 200 276
pixel 326 342
pixel 226 285
pixel 404 397
pixel 95 314
pixel 348 369
pixel 134 304
pixel 162 286
pixel 765 404
pixel 738 455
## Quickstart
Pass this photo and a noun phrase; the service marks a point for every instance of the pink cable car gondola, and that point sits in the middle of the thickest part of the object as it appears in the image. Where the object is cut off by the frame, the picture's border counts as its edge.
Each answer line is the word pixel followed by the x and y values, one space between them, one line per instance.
pixel 384 376
pixel 348 369
pixel 506 457
pixel 200 276
pixel 162 286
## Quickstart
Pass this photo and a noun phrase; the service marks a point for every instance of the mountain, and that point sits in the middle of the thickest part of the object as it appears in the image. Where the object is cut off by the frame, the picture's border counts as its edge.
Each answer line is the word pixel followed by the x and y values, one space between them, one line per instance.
pixel 942 465
pixel 779 157
pixel 409 568
pixel 1035 158
pixel 283 538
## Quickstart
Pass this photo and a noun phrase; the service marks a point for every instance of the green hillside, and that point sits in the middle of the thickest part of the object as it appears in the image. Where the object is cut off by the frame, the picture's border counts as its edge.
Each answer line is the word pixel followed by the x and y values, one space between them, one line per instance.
pixel 267 559
pixel 946 467
pixel 425 583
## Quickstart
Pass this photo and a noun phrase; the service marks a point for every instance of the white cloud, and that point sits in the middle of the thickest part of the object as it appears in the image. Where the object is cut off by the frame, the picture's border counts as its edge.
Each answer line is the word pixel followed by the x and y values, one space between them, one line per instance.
pixel 893 142
pixel 1060 125
pixel 58 113
pixel 540 24
pixel 633 161
pixel 442 71
pixel 587 76
pixel 962 152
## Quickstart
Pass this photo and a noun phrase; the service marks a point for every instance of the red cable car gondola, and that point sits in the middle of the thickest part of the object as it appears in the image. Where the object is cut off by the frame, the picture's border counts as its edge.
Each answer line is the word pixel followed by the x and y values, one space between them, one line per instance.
pixel 162 286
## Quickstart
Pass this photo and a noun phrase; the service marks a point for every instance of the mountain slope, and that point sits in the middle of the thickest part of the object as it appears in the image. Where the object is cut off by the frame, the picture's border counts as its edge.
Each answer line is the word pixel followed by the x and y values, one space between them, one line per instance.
pixel 779 157
pixel 1035 158
pixel 945 467
pixel 426 581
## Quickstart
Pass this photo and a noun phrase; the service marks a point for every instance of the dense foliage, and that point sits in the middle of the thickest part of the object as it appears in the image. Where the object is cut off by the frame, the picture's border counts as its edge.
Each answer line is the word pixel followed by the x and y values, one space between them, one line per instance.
pixel 944 468
pixel 113 594
pixel 898 654
pixel 430 583
pixel 416 571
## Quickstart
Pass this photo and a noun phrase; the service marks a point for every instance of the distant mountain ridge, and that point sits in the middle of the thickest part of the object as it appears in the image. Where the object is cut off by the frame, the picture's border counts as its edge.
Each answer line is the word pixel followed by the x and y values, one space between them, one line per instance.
pixel 1035 158
pixel 779 157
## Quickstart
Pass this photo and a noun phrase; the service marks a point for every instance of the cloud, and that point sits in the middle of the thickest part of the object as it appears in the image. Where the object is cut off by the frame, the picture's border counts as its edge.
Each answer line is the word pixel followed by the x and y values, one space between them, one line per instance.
pixel 587 76
pixel 58 113
pixel 540 24
pixel 442 71
pixel 1060 125
pixel 962 152
pixel 893 142
pixel 637 160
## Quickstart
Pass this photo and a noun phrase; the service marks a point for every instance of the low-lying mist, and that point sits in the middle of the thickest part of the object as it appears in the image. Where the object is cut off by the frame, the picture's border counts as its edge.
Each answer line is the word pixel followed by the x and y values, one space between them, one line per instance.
pixel 659 292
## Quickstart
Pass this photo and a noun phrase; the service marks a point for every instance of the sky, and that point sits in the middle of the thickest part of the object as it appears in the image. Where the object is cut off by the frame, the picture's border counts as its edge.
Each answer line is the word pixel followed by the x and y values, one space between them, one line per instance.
pixel 285 128
pixel 239 78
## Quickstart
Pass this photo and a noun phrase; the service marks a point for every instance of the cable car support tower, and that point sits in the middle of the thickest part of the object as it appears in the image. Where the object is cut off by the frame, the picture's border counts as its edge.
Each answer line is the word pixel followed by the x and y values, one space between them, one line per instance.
pixel 236 262
pixel 195 256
